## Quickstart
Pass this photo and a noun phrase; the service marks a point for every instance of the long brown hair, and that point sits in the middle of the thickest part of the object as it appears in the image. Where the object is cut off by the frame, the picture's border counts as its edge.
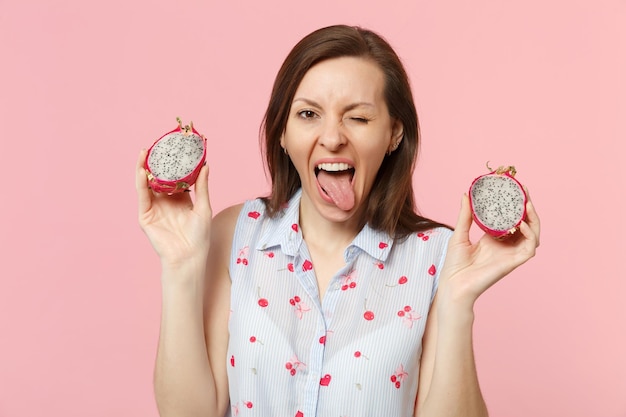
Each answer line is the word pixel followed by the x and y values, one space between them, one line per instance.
pixel 391 203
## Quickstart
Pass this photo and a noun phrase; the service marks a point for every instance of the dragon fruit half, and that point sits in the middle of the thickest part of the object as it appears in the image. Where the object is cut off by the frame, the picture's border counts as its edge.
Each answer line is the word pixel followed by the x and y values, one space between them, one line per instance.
pixel 175 159
pixel 498 202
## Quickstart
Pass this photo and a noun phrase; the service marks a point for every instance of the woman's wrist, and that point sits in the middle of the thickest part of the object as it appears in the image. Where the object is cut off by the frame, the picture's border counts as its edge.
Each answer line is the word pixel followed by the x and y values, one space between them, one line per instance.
pixel 455 305
pixel 189 270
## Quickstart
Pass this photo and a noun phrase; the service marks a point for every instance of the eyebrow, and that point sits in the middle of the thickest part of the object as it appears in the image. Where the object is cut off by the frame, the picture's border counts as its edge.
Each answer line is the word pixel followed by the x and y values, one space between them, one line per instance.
pixel 346 108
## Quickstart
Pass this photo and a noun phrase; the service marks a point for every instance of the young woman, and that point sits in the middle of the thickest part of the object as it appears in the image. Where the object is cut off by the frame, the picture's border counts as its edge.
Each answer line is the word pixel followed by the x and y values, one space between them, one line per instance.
pixel 331 296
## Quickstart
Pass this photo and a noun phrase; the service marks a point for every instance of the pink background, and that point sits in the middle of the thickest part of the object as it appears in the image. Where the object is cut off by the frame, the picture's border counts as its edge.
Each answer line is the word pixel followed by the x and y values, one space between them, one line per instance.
pixel 84 85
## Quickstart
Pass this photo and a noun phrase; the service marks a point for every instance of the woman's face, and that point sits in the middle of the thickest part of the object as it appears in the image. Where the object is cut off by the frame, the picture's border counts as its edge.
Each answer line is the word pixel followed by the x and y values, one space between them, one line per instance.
pixel 337 134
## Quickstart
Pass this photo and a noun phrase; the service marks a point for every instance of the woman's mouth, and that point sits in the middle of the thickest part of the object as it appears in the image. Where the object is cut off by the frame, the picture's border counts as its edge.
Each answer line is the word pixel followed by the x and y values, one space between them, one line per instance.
pixel 335 181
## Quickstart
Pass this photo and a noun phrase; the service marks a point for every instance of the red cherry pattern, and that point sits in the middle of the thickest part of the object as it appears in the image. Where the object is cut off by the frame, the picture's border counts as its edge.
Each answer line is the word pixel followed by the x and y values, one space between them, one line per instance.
pixel 254 214
pixel 325 380
pixel 293 365
pixel 432 270
pixel 242 256
pixel 294 227
pixel 398 376
pixel 253 339
pixel 382 245
pixel 307 265
pixel 347 280
pixel 262 301
pixel 401 281
pixel 368 315
pixel 358 354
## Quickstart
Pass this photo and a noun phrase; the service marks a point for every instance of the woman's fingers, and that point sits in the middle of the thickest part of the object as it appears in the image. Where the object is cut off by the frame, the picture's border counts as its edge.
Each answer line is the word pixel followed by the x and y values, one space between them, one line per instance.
pixel 144 193
pixel 533 220
pixel 464 222
pixel 201 188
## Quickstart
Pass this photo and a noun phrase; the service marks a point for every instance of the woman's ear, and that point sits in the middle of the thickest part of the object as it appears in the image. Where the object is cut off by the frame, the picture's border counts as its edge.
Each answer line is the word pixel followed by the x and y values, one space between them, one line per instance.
pixel 397 133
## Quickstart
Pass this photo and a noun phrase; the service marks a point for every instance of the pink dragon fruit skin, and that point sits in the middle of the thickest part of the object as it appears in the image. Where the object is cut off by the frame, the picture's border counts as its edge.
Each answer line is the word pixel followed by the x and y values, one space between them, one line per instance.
pixel 498 202
pixel 175 159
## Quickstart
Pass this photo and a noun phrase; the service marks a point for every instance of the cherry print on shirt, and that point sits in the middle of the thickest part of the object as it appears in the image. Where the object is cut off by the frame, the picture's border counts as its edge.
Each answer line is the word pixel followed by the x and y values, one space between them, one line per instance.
pixel 325 380
pixel 299 414
pixel 232 360
pixel 408 316
pixel 368 315
pixel 401 281
pixel 358 354
pixel 289 268
pixel 293 365
pixel 254 214
pixel 253 339
pixel 398 376
pixel 269 254
pixel 322 339
pixel 248 404
pixel 242 255
pixel 379 265
pixel 425 235
pixel 307 265
pixel 235 409
pixel 262 301
pixel 300 307
pixel 432 270
pixel 294 227
pixel 382 245
pixel 347 280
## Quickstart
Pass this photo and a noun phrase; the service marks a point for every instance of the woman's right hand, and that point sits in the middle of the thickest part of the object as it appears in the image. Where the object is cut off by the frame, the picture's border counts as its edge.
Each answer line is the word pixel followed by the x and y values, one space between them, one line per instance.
pixel 178 227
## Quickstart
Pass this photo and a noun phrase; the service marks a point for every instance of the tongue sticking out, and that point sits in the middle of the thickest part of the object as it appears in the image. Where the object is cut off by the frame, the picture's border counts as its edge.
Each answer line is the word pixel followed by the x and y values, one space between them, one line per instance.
pixel 338 187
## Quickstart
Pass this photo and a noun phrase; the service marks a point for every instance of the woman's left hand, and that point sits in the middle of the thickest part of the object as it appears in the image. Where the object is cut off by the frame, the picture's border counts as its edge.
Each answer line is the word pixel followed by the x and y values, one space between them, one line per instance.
pixel 471 268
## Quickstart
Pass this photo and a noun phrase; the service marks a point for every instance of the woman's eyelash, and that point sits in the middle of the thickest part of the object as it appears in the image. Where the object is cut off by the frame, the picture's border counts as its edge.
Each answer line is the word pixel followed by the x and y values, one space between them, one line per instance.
pixel 306 114
pixel 360 119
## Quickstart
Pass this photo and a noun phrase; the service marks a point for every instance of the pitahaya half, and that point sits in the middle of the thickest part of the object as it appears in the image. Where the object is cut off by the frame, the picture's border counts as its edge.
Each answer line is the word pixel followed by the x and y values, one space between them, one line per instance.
pixel 175 159
pixel 498 202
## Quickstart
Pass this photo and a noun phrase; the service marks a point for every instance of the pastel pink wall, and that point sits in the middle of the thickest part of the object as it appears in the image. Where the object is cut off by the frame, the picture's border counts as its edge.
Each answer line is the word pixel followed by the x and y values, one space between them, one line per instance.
pixel 84 85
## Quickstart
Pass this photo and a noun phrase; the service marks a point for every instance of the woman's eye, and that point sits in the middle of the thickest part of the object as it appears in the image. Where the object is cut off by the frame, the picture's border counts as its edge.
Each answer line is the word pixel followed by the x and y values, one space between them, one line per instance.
pixel 360 119
pixel 307 114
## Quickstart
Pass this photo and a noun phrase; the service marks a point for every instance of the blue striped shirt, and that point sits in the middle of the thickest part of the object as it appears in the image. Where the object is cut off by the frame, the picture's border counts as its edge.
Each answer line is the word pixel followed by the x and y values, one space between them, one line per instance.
pixel 354 353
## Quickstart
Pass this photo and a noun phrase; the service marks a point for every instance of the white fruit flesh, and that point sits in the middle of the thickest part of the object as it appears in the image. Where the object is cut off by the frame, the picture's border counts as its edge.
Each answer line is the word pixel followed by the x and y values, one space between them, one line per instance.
pixel 175 156
pixel 498 202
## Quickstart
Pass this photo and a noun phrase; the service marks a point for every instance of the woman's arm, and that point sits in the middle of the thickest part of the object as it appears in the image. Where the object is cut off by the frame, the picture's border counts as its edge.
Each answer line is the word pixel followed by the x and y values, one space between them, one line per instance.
pixel 181 232
pixel 448 385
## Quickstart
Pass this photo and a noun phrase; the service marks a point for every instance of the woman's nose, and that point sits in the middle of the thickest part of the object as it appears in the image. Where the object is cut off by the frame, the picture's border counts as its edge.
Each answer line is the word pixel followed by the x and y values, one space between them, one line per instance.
pixel 332 136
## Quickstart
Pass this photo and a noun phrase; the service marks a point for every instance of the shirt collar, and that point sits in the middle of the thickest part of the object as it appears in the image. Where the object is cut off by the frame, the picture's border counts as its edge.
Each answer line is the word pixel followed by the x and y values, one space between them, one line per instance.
pixel 284 231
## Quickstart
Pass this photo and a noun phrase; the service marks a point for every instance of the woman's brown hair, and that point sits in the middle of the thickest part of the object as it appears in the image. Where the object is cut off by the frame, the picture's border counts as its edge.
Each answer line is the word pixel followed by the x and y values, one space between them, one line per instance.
pixel 391 204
